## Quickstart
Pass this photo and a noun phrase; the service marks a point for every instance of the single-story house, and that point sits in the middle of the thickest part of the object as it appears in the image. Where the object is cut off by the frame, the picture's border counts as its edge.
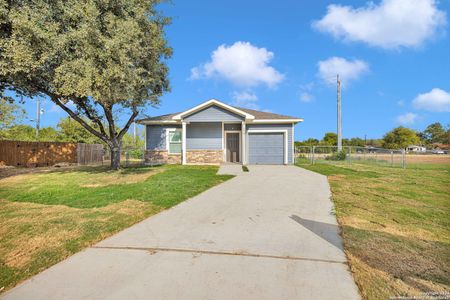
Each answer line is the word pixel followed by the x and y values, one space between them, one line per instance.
pixel 214 132
pixel 415 148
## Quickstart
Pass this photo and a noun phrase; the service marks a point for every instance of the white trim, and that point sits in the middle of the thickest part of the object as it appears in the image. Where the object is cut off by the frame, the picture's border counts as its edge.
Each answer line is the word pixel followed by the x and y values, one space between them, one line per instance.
pixel 244 138
pixel 183 143
pixel 156 122
pixel 293 144
pixel 284 131
pixel 240 144
pixel 213 102
pixel 168 130
pixel 223 136
pixel 145 133
pixel 277 121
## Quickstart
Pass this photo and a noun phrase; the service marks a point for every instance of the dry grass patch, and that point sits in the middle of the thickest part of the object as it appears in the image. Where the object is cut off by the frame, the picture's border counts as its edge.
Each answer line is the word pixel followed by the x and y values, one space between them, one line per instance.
pixel 395 226
pixel 45 217
pixel 30 231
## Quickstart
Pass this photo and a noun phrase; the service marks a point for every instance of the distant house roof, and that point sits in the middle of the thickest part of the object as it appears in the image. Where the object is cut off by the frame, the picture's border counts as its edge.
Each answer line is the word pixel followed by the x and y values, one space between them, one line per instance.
pixel 251 114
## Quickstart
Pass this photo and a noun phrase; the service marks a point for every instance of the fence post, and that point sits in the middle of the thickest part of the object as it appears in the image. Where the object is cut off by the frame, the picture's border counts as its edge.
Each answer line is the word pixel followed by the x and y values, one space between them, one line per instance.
pixel 403 158
pixel 349 154
pixel 312 156
pixel 127 157
pixel 392 158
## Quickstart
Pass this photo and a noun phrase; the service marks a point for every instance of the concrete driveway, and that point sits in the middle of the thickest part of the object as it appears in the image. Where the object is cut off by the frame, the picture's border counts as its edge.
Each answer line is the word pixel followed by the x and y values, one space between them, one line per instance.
pixel 265 234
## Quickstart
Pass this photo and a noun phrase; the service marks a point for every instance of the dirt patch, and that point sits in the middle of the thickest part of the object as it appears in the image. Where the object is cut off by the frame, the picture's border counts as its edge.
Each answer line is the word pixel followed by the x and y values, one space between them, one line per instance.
pixel 118 178
pixel 425 158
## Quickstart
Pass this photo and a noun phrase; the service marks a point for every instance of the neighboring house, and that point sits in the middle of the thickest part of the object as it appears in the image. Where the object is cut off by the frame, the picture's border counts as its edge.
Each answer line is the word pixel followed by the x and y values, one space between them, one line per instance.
pixel 440 146
pixel 414 148
pixel 215 132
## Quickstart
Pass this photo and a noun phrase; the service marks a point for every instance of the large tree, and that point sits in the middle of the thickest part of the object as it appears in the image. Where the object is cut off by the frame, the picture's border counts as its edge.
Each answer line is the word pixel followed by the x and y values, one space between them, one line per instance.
pixel 93 58
pixel 435 133
pixel 400 138
pixel 72 131
pixel 10 113
pixel 330 139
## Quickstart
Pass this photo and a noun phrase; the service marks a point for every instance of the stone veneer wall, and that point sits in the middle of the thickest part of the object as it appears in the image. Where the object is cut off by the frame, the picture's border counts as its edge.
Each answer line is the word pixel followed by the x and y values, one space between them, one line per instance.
pixel 161 157
pixel 204 156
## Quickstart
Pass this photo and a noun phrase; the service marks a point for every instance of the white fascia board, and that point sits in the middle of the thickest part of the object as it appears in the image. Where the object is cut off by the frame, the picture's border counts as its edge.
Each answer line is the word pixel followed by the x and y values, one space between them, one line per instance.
pixel 277 121
pixel 213 102
pixel 161 122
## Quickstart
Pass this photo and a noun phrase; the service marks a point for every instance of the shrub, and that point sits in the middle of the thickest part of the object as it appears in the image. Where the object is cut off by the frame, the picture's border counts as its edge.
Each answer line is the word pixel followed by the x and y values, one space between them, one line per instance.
pixel 340 155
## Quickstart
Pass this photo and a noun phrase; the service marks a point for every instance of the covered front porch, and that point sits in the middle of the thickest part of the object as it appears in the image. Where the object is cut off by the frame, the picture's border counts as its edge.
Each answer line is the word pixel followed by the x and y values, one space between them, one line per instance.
pixel 213 142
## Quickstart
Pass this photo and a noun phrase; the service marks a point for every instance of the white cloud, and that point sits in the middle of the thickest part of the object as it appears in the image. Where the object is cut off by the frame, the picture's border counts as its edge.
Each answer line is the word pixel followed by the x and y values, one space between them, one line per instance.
pixel 391 24
pixel 348 70
pixel 245 99
pixel 400 103
pixel 436 100
pixel 306 97
pixel 407 119
pixel 241 63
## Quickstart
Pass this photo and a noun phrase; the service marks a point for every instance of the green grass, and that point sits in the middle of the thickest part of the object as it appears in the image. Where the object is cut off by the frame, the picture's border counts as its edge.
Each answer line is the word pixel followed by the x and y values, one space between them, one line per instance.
pixel 395 225
pixel 45 217
pixel 163 189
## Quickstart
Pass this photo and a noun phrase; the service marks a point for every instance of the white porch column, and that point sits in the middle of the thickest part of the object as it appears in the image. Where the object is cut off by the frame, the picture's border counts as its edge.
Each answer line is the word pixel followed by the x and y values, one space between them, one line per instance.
pixel 183 142
pixel 244 154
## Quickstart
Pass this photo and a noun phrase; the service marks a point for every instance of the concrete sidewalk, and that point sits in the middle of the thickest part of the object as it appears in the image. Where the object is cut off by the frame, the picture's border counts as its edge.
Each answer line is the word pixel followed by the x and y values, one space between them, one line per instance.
pixel 265 234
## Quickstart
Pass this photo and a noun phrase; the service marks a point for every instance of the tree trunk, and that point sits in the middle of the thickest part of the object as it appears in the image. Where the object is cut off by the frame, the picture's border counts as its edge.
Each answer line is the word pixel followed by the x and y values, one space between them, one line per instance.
pixel 115 157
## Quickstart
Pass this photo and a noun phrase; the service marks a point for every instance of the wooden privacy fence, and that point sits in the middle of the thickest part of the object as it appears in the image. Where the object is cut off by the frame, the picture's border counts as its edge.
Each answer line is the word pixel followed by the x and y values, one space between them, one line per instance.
pixel 39 154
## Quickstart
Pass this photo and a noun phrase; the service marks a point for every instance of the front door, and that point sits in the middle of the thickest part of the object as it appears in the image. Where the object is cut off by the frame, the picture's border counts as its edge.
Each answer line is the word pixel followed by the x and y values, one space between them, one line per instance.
pixel 233 147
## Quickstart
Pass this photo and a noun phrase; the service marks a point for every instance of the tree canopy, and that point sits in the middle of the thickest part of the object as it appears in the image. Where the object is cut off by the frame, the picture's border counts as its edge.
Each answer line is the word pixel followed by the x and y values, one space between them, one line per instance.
pixel 104 57
pixel 10 113
pixel 330 139
pixel 400 138
pixel 436 133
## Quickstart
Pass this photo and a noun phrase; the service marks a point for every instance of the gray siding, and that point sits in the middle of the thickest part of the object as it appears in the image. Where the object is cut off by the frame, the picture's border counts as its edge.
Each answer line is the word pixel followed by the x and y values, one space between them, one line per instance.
pixel 156 136
pixel 232 126
pixel 204 136
pixel 213 113
pixel 287 127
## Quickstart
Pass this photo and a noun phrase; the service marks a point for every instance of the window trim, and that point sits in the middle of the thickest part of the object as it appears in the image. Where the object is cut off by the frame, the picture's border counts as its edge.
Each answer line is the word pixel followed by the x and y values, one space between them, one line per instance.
pixel 168 130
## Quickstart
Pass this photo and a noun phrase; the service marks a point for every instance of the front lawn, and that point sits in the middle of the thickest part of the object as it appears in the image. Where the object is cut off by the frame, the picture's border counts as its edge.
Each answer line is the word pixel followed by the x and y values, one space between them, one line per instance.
pixel 395 225
pixel 45 217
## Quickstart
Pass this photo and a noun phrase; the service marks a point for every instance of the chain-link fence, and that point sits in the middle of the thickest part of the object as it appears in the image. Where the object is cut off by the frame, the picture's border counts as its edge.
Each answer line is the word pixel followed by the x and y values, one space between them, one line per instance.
pixel 349 154
pixel 128 157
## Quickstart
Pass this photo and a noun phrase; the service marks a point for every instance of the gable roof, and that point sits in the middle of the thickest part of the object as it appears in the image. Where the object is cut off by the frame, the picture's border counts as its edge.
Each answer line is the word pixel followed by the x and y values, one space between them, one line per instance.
pixel 249 114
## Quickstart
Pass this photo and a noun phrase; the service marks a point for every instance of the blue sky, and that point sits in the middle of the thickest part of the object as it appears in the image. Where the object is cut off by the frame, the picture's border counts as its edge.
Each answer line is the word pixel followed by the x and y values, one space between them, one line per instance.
pixel 281 56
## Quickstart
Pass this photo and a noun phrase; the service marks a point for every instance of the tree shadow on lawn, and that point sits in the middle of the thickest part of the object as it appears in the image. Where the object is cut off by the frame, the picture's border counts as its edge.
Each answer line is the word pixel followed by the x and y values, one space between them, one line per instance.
pixel 94 169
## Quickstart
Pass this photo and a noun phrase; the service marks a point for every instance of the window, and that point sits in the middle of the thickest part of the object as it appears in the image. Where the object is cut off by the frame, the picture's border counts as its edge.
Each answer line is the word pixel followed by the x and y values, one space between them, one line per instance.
pixel 174 141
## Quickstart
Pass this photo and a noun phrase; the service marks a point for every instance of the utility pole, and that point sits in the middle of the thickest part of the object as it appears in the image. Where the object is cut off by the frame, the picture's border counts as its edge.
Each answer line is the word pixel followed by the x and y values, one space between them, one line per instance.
pixel 134 132
pixel 339 116
pixel 38 116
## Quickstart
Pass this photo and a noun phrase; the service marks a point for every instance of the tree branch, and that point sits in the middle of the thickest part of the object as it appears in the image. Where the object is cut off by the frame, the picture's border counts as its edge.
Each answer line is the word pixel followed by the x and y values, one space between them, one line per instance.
pixel 127 126
pixel 79 120
pixel 109 117
pixel 89 113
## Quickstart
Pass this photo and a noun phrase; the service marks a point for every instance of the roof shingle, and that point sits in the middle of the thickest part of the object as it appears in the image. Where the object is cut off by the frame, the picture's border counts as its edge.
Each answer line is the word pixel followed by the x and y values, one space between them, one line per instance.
pixel 259 115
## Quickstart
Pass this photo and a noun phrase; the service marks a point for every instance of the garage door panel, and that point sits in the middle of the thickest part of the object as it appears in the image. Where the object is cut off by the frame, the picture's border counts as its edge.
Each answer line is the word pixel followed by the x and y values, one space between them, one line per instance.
pixel 266 148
